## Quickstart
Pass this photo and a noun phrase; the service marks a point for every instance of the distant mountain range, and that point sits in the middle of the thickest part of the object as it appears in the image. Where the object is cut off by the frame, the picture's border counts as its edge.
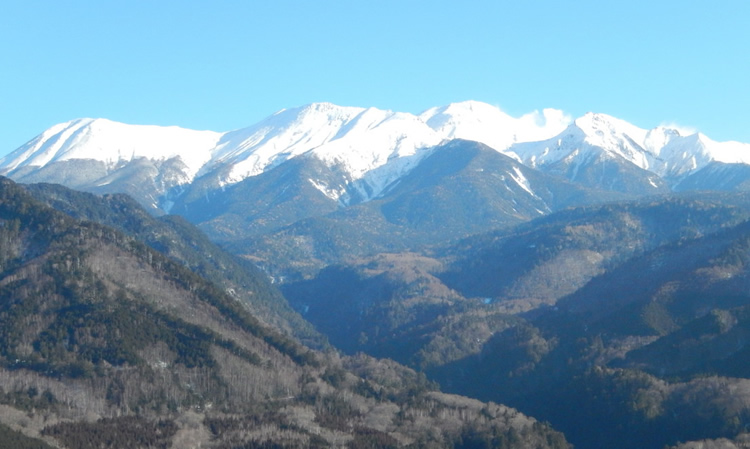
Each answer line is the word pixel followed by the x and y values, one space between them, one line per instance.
pixel 370 149
pixel 322 182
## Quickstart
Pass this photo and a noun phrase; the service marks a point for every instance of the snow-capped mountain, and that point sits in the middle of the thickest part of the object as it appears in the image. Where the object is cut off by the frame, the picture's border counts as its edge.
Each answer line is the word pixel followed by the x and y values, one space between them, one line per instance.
pixel 481 122
pixel 355 140
pixel 372 147
pixel 691 153
pixel 368 149
pixel 358 138
pixel 113 143
pixel 662 151
pixel 587 134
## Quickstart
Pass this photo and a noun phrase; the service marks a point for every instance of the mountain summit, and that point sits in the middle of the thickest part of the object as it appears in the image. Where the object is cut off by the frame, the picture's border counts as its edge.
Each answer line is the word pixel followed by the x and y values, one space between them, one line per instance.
pixel 662 151
pixel 113 143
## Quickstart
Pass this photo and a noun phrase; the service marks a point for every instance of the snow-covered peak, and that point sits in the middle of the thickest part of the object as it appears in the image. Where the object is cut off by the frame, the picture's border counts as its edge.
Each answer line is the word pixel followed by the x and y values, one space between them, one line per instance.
pixel 379 147
pixel 444 119
pixel 657 138
pixel 595 133
pixel 695 151
pixel 284 135
pixel 373 138
pixel 609 132
pixel 474 120
pixel 357 140
pixel 113 142
pixel 664 150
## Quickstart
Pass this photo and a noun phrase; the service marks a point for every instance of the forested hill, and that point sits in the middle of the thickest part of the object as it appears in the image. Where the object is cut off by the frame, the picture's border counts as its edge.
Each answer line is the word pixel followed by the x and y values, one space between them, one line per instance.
pixel 184 243
pixel 107 343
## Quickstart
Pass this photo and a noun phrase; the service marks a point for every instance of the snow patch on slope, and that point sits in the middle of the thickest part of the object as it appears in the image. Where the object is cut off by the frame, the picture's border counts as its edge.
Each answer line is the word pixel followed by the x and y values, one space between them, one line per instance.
pixel 521 180
pixel 326 190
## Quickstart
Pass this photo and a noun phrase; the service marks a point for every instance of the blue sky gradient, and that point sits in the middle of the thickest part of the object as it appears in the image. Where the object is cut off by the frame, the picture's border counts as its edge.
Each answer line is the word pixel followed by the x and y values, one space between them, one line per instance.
pixel 223 65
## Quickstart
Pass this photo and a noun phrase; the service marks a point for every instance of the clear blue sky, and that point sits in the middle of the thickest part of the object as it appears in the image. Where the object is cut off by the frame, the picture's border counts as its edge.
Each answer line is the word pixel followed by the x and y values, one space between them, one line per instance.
pixel 223 65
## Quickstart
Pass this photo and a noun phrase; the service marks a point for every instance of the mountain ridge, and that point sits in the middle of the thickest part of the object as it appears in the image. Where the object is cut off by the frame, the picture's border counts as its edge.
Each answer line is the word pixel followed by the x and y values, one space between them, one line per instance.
pixel 372 148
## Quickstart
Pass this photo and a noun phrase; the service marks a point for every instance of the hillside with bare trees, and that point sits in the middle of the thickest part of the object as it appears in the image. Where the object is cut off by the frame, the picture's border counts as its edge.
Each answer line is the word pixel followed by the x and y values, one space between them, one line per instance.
pixel 108 343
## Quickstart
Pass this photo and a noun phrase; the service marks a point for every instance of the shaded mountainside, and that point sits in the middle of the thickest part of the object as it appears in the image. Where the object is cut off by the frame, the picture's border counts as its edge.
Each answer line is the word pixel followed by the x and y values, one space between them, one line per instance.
pixel 428 309
pixel 279 197
pixel 140 178
pixel 631 317
pixel 466 187
pixel 718 176
pixel 652 351
pixel 105 342
pixel 548 258
pixel 461 188
pixel 395 306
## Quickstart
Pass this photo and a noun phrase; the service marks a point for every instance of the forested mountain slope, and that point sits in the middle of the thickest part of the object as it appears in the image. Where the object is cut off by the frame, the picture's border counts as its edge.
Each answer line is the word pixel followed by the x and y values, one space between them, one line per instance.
pixel 631 317
pixel 460 188
pixel 181 241
pixel 105 342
